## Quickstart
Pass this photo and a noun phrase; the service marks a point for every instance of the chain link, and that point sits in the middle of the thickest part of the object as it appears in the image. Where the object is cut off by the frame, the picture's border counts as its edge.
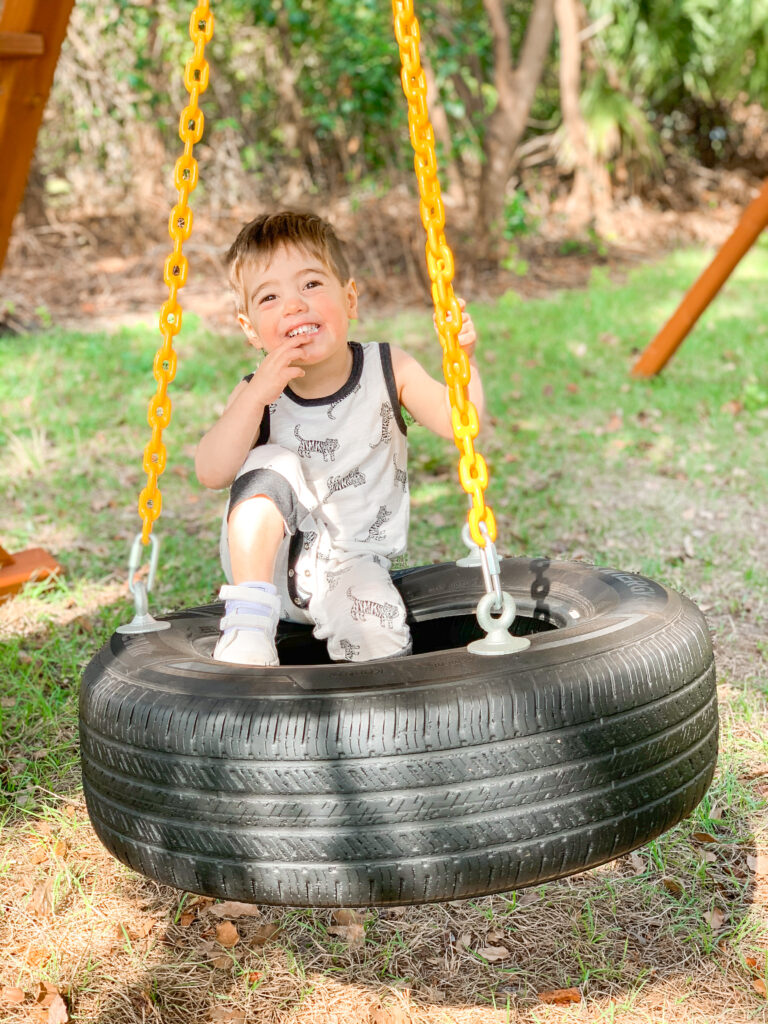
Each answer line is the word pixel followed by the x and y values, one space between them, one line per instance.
pixel 185 175
pixel 473 471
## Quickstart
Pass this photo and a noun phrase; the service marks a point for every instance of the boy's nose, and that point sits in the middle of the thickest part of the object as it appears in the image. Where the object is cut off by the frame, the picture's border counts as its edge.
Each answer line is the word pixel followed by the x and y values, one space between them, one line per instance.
pixel 295 303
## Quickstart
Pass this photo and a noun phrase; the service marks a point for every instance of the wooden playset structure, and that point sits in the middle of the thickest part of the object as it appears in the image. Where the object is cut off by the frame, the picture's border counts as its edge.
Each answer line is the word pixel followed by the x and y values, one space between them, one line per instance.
pixel 31 34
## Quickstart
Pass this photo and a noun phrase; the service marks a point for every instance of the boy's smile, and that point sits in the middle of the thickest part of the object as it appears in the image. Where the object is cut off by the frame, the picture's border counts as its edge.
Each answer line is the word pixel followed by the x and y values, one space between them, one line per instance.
pixel 296 299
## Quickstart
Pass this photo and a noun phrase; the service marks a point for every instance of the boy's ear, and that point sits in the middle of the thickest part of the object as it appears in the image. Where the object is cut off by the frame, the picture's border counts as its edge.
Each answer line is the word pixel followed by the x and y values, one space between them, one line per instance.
pixel 248 330
pixel 351 299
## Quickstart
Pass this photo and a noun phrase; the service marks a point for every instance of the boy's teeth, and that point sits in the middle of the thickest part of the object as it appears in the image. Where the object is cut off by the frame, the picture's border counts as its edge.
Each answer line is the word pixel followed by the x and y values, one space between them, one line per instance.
pixel 306 329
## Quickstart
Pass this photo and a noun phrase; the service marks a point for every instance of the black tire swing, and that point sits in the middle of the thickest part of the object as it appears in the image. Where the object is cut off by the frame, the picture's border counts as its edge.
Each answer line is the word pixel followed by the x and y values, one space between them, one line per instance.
pixel 439 776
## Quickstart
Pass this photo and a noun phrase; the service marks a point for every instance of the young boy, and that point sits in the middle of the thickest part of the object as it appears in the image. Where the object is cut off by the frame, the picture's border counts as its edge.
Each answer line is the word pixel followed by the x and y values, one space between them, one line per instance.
pixel 313 446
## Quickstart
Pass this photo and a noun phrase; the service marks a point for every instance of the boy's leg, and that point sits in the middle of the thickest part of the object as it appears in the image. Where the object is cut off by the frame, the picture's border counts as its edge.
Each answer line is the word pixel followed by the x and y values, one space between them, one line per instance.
pixel 265 506
pixel 255 531
pixel 359 611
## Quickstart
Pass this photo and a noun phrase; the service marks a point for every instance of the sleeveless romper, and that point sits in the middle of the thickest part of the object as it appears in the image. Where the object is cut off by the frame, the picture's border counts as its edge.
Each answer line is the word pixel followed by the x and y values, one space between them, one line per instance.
pixel 336 468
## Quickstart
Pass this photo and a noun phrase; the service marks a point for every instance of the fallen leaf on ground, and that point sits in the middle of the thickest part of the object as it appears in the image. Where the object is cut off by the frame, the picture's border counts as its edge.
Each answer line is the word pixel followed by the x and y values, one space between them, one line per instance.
pixel 187 917
pixel 560 996
pixel 227 935
pixel 495 938
pixel 704 837
pixel 140 928
pixel 493 953
pixel 36 954
pixel 44 993
pixel 672 885
pixel 758 864
pixel 352 934
pixel 12 995
pixel 57 1011
pixel 41 900
pixel 637 863
pixel 615 422
pixel 346 917
pixel 264 933
pixel 60 848
pixel 230 1014
pixel 715 918
pixel 759 986
pixel 390 1015
pixel 232 909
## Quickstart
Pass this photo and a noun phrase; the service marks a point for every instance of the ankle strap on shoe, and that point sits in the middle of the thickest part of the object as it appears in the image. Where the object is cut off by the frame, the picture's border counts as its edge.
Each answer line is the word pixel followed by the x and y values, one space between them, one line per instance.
pixel 252 595
pixel 265 623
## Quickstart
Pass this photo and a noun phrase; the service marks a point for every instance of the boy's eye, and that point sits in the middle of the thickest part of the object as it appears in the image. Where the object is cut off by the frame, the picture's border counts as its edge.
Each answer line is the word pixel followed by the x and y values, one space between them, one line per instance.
pixel 266 298
pixel 313 284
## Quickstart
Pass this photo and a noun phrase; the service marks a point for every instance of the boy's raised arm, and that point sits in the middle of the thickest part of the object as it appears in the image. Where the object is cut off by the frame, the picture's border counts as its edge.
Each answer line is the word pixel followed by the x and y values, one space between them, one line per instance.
pixel 223 448
pixel 426 399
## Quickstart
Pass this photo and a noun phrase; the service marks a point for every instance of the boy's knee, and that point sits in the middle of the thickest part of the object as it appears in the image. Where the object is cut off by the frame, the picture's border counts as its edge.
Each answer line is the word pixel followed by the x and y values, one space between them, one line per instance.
pixel 273 487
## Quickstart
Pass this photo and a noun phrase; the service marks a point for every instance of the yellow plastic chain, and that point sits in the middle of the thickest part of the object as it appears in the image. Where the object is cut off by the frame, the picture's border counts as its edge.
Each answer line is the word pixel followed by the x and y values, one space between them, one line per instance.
pixel 185 176
pixel 473 471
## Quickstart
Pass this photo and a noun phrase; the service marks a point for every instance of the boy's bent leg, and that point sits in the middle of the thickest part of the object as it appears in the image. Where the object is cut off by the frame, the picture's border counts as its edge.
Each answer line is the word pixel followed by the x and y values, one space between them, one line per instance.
pixel 363 615
pixel 255 531
pixel 263 509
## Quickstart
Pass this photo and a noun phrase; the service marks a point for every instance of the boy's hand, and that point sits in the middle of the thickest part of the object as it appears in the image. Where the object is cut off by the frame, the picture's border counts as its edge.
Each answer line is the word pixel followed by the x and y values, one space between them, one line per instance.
pixel 467 335
pixel 275 371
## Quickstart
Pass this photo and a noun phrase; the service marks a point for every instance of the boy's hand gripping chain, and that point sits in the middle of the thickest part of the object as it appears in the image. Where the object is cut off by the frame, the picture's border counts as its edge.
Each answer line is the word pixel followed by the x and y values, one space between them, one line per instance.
pixel 473 471
pixel 185 175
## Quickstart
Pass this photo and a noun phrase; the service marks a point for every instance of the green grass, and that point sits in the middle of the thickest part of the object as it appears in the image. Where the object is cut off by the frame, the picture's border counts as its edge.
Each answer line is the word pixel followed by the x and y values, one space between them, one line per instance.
pixel 667 477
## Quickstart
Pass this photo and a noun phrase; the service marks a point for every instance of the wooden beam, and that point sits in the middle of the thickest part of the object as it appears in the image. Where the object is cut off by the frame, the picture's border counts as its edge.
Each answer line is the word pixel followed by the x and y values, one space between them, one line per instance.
pixel 21 44
pixel 676 329
pixel 24 87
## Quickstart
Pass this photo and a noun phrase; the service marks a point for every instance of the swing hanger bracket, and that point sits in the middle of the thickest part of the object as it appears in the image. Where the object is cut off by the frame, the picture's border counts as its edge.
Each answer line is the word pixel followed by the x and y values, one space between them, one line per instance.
pixel 142 621
pixel 495 601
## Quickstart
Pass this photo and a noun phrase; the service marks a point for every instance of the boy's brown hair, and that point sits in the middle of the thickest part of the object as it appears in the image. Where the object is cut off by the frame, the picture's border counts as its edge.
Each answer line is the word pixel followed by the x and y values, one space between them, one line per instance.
pixel 261 237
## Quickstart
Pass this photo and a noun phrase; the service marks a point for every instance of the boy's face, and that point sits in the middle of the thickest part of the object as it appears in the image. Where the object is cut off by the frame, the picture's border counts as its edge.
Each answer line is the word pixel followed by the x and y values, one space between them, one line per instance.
pixel 295 298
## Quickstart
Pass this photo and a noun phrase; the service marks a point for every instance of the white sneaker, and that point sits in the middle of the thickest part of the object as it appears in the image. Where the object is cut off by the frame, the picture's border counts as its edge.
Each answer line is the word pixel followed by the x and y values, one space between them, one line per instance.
pixel 248 627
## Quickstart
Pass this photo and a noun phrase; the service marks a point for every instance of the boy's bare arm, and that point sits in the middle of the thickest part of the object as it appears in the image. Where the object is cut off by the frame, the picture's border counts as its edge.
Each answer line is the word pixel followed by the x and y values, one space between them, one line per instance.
pixel 223 449
pixel 426 399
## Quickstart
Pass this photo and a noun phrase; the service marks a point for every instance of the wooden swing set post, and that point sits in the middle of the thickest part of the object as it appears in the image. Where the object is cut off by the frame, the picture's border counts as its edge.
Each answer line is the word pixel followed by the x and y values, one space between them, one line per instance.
pixel 673 333
pixel 31 34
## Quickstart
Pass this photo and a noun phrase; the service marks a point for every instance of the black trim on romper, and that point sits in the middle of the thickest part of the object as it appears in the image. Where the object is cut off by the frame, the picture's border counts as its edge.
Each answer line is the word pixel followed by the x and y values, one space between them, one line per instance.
pixel 263 437
pixel 389 379
pixel 351 383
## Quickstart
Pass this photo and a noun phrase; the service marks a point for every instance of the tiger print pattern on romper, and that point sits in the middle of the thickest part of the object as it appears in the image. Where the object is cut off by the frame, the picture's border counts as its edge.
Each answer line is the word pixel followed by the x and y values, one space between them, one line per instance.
pixel 362 608
pixel 326 447
pixel 386 419
pixel 374 530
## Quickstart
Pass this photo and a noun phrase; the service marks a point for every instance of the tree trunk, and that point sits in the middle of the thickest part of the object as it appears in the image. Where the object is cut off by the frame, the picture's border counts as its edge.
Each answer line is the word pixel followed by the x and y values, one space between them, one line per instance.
pixel 515 87
pixel 590 197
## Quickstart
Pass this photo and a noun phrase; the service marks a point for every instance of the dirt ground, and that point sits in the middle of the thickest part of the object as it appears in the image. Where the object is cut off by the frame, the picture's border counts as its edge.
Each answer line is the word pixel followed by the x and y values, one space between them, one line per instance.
pixel 89 272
